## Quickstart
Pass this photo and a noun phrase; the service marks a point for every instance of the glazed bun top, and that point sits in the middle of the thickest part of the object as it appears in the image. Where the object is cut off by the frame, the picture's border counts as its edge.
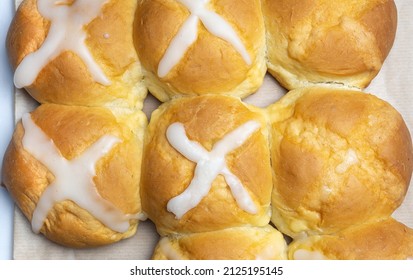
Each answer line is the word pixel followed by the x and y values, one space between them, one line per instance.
pixel 321 41
pixel 74 54
pixel 340 158
pixel 206 165
pixel 200 47
pixel 74 172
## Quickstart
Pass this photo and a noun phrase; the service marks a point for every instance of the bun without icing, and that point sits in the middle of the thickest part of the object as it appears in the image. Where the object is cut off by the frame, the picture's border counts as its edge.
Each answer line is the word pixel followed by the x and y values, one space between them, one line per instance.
pixel 75 131
pixel 244 243
pixel 212 63
pixel 67 79
pixel 387 239
pixel 320 41
pixel 339 158
pixel 206 120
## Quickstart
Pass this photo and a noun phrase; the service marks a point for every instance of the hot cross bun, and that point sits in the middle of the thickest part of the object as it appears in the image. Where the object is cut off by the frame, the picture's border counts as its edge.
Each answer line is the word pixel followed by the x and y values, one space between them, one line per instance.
pixel 326 165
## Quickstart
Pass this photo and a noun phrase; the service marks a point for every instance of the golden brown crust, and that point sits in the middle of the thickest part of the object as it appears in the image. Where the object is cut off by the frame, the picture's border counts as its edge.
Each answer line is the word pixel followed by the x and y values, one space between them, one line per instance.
pixel 244 243
pixel 381 21
pixel 318 41
pixel 166 173
pixel 387 239
pixel 339 158
pixel 66 79
pixel 211 65
pixel 73 129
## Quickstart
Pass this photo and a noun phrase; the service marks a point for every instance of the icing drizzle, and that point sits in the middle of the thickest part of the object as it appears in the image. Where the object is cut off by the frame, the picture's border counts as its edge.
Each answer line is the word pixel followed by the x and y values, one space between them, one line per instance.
pixel 208 166
pixel 66 33
pixel 73 178
pixel 188 33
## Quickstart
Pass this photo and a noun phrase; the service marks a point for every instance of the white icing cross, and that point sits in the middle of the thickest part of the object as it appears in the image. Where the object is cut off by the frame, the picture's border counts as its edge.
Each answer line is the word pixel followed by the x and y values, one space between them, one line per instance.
pixel 188 34
pixel 66 33
pixel 208 166
pixel 73 178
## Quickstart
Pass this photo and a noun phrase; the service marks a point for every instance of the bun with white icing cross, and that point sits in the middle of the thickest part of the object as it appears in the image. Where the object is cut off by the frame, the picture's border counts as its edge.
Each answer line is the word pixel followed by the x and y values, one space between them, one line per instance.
pixel 73 171
pixel 206 166
pixel 73 52
pixel 339 157
pixel 196 47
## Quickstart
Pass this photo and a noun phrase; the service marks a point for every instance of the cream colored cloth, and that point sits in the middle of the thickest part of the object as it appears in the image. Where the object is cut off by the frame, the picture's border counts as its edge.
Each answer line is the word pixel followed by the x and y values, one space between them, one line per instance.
pixel 393 84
